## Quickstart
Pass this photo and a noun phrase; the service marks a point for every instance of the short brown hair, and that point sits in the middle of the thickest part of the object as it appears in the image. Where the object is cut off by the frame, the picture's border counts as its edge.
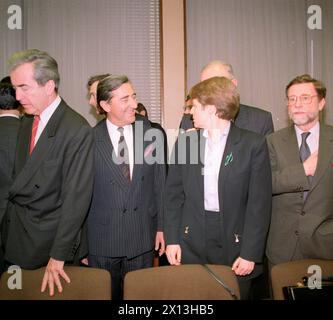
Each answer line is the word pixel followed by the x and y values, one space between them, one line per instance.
pixel 305 78
pixel 220 92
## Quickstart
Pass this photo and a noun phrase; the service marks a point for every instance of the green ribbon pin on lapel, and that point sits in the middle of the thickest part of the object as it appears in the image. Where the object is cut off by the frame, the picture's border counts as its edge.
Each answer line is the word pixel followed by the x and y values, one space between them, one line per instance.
pixel 228 159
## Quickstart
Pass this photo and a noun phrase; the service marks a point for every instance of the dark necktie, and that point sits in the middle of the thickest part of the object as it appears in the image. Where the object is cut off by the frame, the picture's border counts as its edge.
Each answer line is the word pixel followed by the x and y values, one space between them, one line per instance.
pixel 35 124
pixel 123 155
pixel 304 150
pixel 304 153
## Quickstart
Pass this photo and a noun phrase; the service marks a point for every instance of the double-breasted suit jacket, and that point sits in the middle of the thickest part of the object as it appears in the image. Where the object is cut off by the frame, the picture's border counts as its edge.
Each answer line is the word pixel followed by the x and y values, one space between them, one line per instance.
pixel 51 192
pixel 124 217
pixel 244 186
pixel 311 221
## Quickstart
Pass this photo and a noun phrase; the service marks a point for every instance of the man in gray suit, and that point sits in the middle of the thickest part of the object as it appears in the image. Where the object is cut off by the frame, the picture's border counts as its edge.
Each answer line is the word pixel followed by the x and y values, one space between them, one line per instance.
pixel 9 127
pixel 125 221
pixel 249 118
pixel 302 167
pixel 51 192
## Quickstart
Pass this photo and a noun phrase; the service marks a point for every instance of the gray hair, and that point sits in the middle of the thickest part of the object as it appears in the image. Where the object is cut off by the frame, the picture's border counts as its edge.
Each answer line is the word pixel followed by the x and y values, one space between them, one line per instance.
pixel 45 67
pixel 222 66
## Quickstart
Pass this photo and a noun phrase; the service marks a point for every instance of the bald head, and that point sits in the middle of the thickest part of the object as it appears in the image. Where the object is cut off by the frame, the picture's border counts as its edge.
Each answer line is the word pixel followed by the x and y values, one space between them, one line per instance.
pixel 218 68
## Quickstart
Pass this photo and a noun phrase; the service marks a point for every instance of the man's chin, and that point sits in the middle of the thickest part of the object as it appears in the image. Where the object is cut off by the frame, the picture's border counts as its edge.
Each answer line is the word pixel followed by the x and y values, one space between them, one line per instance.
pixel 28 109
pixel 131 119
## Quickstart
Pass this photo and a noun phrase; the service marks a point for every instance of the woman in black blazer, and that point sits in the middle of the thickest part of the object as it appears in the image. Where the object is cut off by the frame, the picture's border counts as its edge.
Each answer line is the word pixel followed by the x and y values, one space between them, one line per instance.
pixel 218 191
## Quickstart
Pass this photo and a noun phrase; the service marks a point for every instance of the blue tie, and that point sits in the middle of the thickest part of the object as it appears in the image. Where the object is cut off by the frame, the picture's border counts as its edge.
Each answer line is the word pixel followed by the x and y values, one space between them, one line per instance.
pixel 304 150
pixel 304 153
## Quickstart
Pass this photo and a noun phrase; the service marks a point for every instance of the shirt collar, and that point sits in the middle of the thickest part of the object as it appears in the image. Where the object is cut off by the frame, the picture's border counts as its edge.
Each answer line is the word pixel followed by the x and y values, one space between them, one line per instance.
pixel 223 133
pixel 314 130
pixel 48 111
pixel 113 128
pixel 9 115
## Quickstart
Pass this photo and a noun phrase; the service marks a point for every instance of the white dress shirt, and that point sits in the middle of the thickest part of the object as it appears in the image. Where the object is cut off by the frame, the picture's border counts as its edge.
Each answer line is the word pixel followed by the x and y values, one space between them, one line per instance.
pixel 45 117
pixel 312 140
pixel 213 157
pixel 9 115
pixel 128 134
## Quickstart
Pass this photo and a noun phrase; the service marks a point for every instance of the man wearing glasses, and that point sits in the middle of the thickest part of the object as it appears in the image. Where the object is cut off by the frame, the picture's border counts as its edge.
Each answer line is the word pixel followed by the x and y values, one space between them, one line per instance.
pixel 302 172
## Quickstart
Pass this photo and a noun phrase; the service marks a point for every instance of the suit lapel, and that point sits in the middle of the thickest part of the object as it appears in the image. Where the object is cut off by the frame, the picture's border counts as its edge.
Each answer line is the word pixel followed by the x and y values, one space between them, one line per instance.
pixel 291 149
pixel 325 154
pixel 27 165
pixel 199 167
pixel 105 147
pixel 138 144
pixel 227 164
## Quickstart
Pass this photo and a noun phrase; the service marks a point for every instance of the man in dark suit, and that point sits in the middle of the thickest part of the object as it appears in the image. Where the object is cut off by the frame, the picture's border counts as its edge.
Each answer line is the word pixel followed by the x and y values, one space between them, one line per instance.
pixel 302 171
pixel 51 192
pixel 92 91
pixel 249 118
pixel 218 190
pixel 9 126
pixel 125 221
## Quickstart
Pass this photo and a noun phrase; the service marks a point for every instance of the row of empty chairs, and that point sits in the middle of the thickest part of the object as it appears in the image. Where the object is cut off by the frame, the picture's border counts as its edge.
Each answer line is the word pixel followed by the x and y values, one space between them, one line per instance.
pixel 185 282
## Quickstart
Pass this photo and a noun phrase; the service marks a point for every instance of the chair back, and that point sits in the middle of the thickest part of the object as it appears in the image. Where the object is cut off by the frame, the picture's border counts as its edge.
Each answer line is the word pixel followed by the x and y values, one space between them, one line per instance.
pixel 86 284
pixel 290 273
pixel 184 282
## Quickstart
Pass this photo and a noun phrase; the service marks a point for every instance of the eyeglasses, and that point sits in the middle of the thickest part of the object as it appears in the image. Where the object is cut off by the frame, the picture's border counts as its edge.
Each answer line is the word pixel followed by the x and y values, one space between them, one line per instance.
pixel 304 99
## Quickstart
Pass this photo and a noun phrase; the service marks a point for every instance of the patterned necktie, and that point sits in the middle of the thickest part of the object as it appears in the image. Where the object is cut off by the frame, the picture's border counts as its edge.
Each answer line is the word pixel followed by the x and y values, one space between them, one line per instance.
pixel 304 150
pixel 123 154
pixel 33 133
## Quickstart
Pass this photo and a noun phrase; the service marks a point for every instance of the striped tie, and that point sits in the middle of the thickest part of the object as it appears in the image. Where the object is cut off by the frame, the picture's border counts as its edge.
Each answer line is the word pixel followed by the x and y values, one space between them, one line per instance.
pixel 123 154
pixel 33 133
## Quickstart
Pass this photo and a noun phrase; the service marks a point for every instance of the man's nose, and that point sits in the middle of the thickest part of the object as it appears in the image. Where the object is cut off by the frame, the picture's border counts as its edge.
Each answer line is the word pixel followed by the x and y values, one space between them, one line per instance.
pixel 18 94
pixel 133 104
pixel 298 102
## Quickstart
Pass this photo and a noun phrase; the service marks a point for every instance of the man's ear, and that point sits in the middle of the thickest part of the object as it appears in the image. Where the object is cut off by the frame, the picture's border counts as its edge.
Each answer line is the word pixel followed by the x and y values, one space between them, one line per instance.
pixel 211 109
pixel 105 106
pixel 322 103
pixel 50 87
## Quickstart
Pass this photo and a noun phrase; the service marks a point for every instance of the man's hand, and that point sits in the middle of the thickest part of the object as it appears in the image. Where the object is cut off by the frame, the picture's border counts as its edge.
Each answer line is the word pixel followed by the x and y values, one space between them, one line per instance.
pixel 310 164
pixel 51 276
pixel 159 242
pixel 242 267
pixel 174 254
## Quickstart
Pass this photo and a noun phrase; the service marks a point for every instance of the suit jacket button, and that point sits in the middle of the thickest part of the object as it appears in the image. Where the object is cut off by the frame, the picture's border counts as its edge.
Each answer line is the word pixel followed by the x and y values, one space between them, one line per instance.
pixel 136 208
pixel 296 233
pixel 124 211
pixel 303 213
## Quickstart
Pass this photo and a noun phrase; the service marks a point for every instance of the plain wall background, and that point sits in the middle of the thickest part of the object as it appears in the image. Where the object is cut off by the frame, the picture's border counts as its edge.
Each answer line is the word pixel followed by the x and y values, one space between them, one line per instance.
pixel 267 41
